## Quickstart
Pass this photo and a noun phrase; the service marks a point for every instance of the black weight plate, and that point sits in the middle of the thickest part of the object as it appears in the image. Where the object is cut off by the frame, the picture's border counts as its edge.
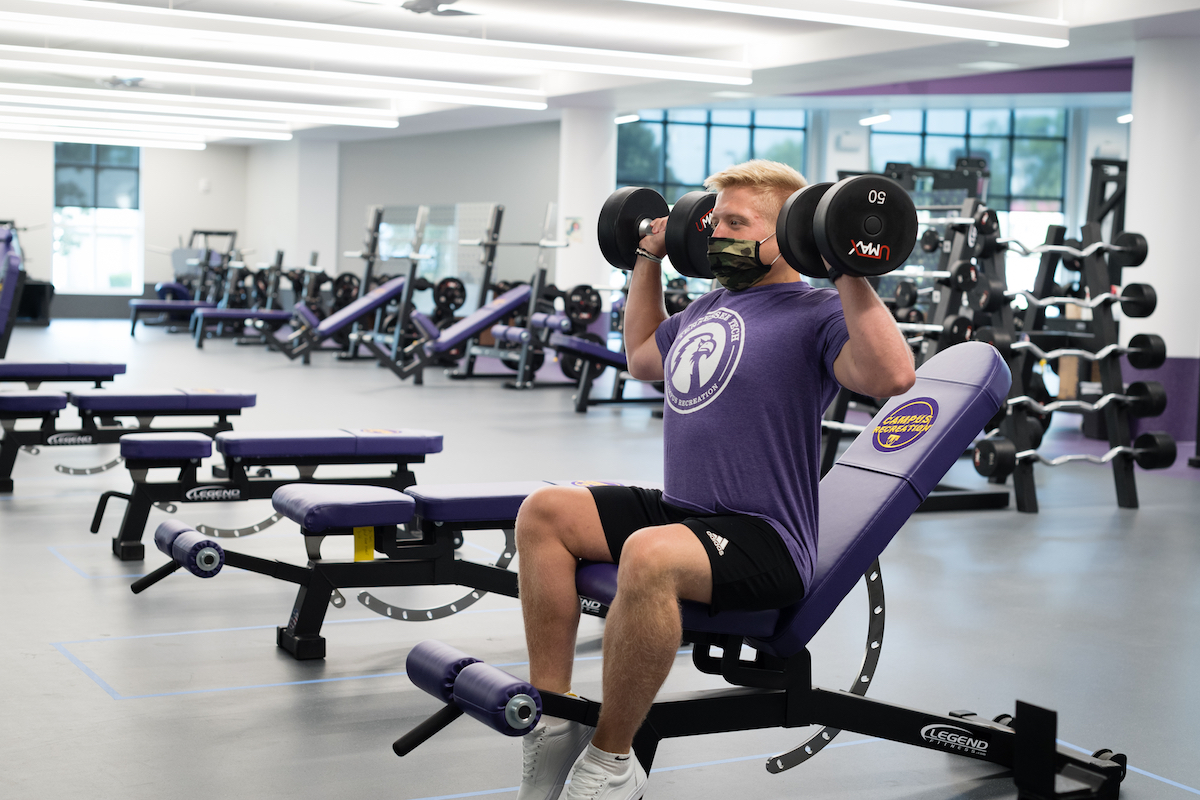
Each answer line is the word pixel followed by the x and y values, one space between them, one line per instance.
pixel 794 231
pixel 688 231
pixel 450 294
pixel 1138 300
pixel 931 241
pixel 583 303
pixel 994 457
pixel 956 330
pixel 1134 250
pixel 866 225
pixel 906 294
pixel 1147 351
pixel 987 222
pixel 1069 261
pixel 1146 398
pixel 571 364
pixel 617 229
pixel 1154 450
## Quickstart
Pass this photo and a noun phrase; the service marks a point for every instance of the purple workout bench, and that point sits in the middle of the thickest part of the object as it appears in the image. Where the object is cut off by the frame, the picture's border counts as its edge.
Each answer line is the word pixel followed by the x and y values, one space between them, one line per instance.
pixel 312 332
pixel 433 343
pixel 594 357
pixel 247 472
pixel 166 306
pixel 99 410
pixel 865 499
pixel 34 373
pixel 12 283
pixel 269 319
pixel 423 555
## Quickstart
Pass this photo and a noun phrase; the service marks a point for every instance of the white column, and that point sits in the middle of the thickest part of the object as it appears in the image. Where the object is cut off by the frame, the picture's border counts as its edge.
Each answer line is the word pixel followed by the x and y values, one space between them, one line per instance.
pixel 1161 199
pixel 587 175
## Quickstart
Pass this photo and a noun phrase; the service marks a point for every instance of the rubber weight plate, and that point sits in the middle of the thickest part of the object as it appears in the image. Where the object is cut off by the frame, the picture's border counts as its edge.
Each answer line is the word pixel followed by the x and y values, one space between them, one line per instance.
pixel 794 230
pixel 688 230
pixel 620 216
pixel 866 225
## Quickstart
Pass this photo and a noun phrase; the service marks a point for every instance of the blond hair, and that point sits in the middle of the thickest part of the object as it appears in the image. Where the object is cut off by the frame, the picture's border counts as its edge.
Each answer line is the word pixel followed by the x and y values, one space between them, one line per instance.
pixel 772 181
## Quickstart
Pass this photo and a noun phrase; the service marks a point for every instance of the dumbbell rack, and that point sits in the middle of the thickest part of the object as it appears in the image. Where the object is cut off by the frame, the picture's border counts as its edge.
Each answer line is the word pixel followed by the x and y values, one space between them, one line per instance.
pixel 948 302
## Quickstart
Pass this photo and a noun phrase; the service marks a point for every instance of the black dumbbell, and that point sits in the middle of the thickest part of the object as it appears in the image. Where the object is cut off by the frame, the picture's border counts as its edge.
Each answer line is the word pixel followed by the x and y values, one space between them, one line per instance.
pixel 999 457
pixel 953 330
pixel 1128 250
pixel 625 219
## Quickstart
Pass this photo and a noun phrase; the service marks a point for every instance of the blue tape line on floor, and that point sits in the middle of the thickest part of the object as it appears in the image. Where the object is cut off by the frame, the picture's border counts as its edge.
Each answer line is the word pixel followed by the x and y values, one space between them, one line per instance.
pixel 1132 768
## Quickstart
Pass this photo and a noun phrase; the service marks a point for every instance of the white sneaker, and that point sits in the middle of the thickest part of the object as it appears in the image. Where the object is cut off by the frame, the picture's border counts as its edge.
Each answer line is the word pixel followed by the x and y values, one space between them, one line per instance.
pixel 549 752
pixel 590 781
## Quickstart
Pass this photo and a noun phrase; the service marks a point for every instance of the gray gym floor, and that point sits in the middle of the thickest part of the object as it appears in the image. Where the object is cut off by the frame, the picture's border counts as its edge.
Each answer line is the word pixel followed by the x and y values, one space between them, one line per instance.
pixel 180 692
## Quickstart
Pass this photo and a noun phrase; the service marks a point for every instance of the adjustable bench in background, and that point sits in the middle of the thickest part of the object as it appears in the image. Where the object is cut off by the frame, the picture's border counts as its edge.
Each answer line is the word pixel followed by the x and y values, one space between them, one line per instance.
pixel 247 473
pixel 313 332
pixel 879 482
pixel 594 358
pixel 99 410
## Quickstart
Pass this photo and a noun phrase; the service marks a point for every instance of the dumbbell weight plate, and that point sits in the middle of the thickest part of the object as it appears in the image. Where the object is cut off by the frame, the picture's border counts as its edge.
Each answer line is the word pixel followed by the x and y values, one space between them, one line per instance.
pixel 1154 450
pixel 989 296
pixel 687 234
pixel 866 225
pixel 583 303
pixel 906 294
pixel 794 230
pixel 450 294
pixel 1138 300
pixel 964 275
pixel 1147 351
pixel 572 364
pixel 956 329
pixel 931 240
pixel 1135 250
pixel 617 230
pixel 1069 261
pixel 994 457
pixel 1148 398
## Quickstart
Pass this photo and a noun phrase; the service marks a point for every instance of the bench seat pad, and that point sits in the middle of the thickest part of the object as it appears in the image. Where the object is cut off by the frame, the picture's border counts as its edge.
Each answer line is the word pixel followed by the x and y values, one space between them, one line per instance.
pixel 160 446
pixel 373 300
pixel 61 370
pixel 320 507
pixel 468 326
pixel 365 442
pixel 148 401
pixel 169 305
pixel 477 502
pixel 34 401
pixel 243 313
pixel 592 350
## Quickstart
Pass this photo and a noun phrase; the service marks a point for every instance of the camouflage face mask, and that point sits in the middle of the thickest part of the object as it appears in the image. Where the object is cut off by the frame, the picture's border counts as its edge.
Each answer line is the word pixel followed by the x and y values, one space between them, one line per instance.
pixel 735 262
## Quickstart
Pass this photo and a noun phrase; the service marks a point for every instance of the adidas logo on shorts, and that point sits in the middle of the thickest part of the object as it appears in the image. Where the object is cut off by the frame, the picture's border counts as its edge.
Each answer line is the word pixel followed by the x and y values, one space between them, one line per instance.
pixel 719 541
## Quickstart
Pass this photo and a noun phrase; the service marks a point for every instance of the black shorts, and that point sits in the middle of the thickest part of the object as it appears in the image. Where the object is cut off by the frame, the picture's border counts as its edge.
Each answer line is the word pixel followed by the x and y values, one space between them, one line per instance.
pixel 752 568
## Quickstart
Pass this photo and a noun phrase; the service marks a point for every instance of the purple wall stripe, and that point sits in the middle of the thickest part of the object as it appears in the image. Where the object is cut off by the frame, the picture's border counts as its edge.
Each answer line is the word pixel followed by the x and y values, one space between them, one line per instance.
pixel 1098 76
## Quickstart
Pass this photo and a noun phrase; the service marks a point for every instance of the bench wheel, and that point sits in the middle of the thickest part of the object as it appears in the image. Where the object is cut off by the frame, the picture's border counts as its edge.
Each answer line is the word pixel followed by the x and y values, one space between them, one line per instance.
pixel 816 743
pixel 426 614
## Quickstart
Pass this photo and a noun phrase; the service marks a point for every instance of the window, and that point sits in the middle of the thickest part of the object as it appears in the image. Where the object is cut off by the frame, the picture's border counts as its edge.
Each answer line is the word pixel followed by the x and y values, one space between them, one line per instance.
pixel 1026 151
pixel 674 151
pixel 97 219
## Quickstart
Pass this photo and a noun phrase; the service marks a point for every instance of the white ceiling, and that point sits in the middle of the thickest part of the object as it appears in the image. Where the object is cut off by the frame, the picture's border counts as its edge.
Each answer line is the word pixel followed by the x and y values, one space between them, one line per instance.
pixel 189 71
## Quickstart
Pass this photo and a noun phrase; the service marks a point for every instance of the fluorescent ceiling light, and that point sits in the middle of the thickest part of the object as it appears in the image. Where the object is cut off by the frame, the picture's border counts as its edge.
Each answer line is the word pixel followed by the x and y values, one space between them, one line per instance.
pixel 274 79
pixel 120 128
pixel 875 120
pixel 241 127
pixel 84 138
pixel 1125 119
pixel 626 119
pixel 134 23
pixel 990 66
pixel 196 105
pixel 30 127
pixel 898 15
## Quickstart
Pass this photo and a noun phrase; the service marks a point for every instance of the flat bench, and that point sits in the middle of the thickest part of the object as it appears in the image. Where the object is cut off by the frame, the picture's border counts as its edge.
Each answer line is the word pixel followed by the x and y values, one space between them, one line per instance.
pixel 203 318
pixel 182 309
pixel 248 458
pixel 99 410
pixel 424 554
pixel 34 373
pixel 594 357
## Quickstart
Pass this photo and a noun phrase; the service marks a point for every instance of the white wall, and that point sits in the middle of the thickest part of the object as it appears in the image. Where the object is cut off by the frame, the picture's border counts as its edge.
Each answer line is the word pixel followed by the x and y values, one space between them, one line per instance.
pixel 846 145
pixel 516 166
pixel 27 198
pixel 184 190
pixel 272 192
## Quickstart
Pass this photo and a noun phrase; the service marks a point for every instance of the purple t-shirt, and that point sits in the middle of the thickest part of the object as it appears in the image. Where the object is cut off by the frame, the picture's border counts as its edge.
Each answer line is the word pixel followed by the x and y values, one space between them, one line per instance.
pixel 748 376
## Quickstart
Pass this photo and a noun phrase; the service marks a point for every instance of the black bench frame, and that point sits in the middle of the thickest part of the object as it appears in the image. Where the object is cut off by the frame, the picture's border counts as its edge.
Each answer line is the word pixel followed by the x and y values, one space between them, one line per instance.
pixel 237 485
pixel 97 427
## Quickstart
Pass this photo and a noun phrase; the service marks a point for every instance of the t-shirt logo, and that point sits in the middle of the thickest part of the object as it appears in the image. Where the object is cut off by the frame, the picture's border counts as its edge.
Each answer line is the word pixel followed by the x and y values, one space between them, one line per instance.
pixel 703 359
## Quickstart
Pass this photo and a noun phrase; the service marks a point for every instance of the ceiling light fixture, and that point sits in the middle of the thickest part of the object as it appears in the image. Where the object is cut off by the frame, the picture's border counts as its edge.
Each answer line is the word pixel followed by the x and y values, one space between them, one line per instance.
pixel 627 118
pixel 84 137
pixel 1125 119
pixel 241 127
pixel 875 120
pixel 127 22
pixel 898 15
pixel 120 128
pixel 197 105
pixel 274 79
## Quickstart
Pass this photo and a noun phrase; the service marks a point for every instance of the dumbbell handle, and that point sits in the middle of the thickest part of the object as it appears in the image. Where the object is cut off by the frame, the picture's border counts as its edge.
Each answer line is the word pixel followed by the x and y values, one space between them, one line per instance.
pixel 844 427
pixel 1062 248
pixel 923 273
pixel 920 327
pixel 1033 455
pixel 1087 355
pixel 1095 302
pixel 1069 405
pixel 539 243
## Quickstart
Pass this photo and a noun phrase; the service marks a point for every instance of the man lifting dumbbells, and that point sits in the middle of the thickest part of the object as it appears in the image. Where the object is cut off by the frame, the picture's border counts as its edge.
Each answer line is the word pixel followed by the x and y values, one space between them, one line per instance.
pixel 748 370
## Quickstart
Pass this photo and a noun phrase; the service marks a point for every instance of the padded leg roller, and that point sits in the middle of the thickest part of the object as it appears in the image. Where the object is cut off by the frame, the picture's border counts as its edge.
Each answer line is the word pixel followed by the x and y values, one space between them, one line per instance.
pixel 194 552
pixel 434 667
pixel 497 699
